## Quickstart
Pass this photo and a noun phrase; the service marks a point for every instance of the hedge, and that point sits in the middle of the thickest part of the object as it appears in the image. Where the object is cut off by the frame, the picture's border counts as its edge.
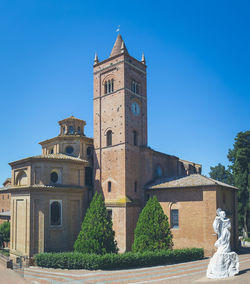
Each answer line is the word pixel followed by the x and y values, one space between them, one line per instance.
pixel 75 260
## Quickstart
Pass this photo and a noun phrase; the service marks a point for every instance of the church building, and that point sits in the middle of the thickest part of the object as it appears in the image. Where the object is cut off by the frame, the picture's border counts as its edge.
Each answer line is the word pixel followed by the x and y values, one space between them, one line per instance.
pixel 50 193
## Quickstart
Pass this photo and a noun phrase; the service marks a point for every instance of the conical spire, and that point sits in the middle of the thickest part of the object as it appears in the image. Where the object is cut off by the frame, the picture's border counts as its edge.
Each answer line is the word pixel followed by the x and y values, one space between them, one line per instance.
pixel 119 47
pixel 96 59
pixel 143 60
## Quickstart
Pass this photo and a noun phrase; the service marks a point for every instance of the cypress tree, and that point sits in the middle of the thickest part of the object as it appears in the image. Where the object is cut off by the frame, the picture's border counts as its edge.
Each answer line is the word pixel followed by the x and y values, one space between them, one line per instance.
pixel 152 229
pixel 96 235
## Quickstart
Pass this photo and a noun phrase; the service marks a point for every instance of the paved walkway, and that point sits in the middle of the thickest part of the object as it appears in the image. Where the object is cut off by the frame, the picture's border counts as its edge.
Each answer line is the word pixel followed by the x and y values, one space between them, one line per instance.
pixel 190 272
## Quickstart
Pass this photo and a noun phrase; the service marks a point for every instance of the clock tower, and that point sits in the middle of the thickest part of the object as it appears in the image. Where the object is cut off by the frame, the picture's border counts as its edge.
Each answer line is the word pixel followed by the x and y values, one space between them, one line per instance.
pixel 120 135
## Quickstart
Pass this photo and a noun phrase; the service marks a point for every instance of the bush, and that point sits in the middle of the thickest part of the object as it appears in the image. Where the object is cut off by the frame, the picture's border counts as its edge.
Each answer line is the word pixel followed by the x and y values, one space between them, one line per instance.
pixel 96 235
pixel 152 229
pixel 4 233
pixel 75 260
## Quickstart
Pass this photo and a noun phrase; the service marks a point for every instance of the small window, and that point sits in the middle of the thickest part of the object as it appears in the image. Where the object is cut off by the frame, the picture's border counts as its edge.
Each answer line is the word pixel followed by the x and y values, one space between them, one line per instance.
pixel 2 197
pixel 69 150
pixel 54 177
pixel 135 186
pixel 88 176
pixel 2 210
pixel 71 130
pixel 8 196
pixel 174 218
pixel 109 186
pixel 55 213
pixel 135 138
pixel 79 130
pixel 109 138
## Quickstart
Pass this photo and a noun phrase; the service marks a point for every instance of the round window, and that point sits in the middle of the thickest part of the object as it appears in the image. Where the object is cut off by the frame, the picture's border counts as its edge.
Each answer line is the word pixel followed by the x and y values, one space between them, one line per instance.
pixel 69 150
pixel 54 177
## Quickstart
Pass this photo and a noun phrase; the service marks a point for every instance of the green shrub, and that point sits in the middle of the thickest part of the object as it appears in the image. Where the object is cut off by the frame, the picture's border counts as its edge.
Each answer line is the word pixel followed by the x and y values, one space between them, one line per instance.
pixel 4 233
pixel 152 229
pixel 96 235
pixel 75 260
pixel 247 239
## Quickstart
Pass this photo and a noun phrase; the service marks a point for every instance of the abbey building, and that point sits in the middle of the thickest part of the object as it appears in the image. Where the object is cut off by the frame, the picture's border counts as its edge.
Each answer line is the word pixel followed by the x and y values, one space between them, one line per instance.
pixel 50 193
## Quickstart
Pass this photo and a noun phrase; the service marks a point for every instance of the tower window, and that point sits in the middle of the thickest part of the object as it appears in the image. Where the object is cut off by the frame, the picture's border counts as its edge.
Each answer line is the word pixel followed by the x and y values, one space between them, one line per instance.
pixel 109 138
pixel 89 151
pixel 135 87
pixel 174 215
pixel 88 176
pixel 135 138
pixel 56 213
pixel 54 177
pixel 109 86
pixel 79 130
pixel 109 186
pixel 135 186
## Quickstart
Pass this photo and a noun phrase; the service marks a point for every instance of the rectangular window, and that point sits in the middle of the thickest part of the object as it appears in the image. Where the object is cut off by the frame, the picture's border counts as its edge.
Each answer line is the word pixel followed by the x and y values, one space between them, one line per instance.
pixel 2 197
pixel 109 186
pixel 135 186
pixel 174 218
pixel 2 210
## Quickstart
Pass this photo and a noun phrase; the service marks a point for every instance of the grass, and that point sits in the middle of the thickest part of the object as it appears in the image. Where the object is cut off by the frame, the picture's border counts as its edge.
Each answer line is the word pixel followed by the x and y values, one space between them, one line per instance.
pixel 4 252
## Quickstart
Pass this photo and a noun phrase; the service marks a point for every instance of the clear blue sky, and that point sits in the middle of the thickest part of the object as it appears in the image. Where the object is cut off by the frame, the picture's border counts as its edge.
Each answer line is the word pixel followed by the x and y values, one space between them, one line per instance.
pixel 198 60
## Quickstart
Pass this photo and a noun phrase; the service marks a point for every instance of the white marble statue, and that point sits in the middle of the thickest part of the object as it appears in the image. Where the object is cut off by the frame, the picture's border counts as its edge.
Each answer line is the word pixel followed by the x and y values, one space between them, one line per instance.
pixel 224 263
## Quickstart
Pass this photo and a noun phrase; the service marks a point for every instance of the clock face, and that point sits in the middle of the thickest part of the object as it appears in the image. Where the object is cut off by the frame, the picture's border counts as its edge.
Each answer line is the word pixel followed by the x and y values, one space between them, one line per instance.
pixel 135 108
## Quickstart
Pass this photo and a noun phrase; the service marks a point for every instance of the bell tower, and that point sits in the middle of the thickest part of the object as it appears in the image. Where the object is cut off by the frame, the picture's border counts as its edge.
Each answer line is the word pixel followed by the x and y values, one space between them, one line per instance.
pixel 120 132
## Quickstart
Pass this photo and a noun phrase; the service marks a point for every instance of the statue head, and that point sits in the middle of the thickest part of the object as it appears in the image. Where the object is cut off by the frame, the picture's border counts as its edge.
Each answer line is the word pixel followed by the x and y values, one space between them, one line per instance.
pixel 218 211
pixel 223 214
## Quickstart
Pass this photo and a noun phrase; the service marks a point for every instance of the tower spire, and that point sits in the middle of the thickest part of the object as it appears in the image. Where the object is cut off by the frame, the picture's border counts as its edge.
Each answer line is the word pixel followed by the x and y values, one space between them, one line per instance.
pixel 96 59
pixel 119 46
pixel 143 60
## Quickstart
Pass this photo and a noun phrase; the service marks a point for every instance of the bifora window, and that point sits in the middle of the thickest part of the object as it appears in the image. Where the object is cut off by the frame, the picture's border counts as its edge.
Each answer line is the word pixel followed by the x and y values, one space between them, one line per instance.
pixel 174 216
pixel 109 138
pixel 109 87
pixel 135 87
pixel 55 212
pixel 71 130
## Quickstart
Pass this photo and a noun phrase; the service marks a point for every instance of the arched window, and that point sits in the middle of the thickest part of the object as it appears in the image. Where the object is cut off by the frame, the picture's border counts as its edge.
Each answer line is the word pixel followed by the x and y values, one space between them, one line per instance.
pixel 71 130
pixel 158 171
pixel 54 177
pixel 109 86
pixel 56 213
pixel 22 178
pixel 69 150
pixel 109 186
pixel 79 130
pixel 89 151
pixel 109 138
pixel 135 138
pixel 88 176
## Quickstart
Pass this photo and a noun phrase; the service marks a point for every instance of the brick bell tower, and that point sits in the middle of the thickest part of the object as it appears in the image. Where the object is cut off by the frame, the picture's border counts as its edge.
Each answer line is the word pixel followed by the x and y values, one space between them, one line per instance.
pixel 120 132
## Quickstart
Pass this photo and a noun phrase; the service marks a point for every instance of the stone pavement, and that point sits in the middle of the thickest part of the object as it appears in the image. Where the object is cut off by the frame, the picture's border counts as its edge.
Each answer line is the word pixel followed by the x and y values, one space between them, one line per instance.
pixel 8 276
pixel 190 272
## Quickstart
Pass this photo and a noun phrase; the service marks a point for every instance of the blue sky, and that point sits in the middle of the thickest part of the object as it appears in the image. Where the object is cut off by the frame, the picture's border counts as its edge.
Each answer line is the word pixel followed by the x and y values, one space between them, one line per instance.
pixel 198 60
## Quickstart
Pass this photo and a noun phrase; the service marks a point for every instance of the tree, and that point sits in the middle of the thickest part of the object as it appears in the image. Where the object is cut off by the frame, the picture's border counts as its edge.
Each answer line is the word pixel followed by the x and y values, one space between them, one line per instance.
pixel 96 235
pixel 222 174
pixel 4 233
pixel 239 156
pixel 152 229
